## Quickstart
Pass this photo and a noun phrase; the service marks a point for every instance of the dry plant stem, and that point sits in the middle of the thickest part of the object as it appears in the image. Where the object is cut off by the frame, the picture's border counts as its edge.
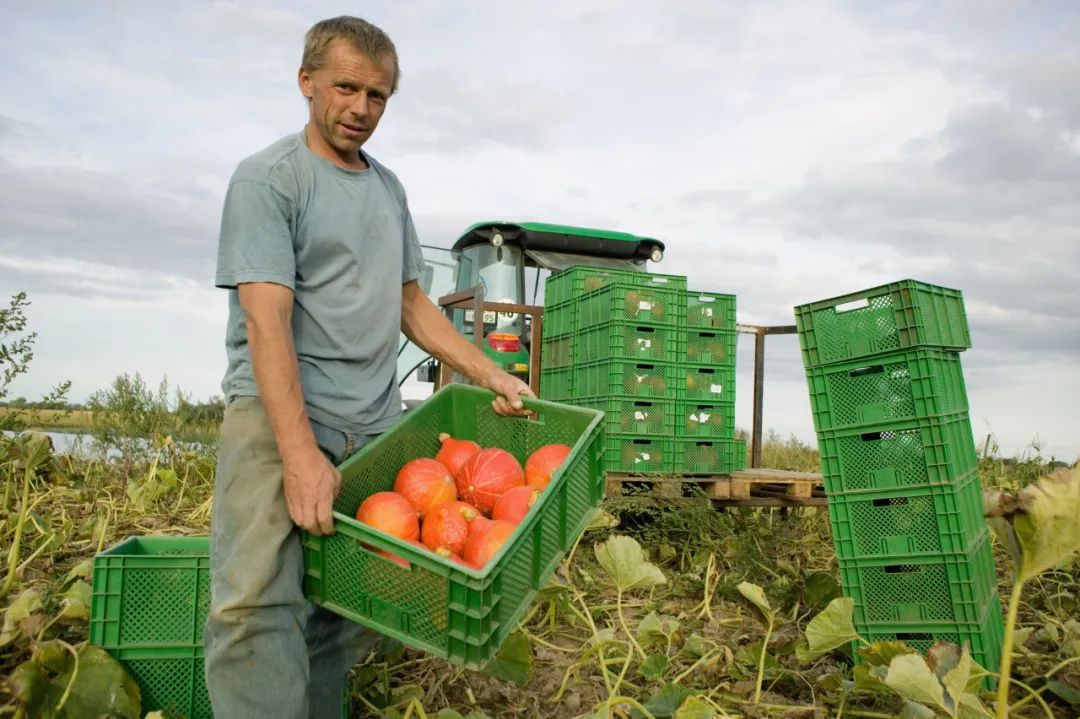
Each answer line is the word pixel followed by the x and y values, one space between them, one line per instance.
pixel 1032 694
pixel 632 702
pixel 13 555
pixel 74 675
pixel 622 620
pixel 761 662
pixel 1002 708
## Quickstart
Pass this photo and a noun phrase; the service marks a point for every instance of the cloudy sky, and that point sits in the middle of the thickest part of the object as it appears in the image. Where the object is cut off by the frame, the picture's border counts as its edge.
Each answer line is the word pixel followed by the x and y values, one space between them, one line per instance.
pixel 784 151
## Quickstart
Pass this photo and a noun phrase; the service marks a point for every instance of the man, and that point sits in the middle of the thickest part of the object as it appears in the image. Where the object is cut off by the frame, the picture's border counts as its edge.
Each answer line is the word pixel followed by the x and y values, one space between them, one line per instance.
pixel 314 236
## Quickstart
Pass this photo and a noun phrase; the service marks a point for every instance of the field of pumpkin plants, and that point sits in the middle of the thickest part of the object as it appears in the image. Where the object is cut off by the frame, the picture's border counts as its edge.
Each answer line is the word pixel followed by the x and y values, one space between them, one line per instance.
pixel 665 607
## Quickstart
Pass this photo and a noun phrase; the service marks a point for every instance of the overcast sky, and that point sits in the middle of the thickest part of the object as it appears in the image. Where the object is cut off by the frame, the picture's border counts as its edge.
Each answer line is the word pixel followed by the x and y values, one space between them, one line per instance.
pixel 784 151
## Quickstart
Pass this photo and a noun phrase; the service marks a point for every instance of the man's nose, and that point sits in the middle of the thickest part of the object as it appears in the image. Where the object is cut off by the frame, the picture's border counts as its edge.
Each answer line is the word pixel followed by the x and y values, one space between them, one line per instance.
pixel 359 106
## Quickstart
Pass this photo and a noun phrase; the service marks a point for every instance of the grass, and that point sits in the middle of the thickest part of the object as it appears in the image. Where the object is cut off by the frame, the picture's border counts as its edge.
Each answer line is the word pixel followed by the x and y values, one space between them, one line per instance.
pixel 50 419
pixel 582 635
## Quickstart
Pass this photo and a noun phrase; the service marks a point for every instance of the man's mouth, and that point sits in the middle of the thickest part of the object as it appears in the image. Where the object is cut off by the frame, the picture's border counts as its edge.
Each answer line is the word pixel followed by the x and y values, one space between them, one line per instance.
pixel 354 129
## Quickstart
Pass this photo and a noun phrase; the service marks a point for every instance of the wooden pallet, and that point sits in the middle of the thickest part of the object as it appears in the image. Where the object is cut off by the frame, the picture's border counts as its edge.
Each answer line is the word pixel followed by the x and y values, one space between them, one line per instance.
pixel 743 488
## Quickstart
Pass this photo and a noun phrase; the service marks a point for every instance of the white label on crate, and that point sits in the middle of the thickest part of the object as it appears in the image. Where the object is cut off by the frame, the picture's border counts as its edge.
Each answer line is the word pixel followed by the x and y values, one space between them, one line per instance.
pixel 703 417
pixel 644 344
pixel 640 378
pixel 641 416
pixel 716 388
pixel 706 311
pixel 643 457
pixel 645 306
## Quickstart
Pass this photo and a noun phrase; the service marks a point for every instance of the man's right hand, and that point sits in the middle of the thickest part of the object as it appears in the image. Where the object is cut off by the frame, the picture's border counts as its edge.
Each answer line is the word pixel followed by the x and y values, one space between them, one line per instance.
pixel 311 484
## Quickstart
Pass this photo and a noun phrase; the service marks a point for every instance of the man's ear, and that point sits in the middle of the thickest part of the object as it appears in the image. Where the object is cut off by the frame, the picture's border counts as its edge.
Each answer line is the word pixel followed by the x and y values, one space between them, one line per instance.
pixel 303 79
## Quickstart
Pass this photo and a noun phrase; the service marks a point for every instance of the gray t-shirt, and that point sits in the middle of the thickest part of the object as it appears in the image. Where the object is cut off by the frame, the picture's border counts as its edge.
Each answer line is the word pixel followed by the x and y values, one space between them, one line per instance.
pixel 339 239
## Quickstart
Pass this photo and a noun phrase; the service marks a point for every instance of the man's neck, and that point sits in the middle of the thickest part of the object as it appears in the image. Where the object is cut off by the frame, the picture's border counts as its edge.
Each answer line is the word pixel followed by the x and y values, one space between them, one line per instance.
pixel 323 149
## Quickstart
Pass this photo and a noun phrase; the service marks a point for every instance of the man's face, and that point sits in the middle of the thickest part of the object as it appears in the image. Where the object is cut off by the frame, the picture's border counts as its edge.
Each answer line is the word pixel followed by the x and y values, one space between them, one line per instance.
pixel 347 95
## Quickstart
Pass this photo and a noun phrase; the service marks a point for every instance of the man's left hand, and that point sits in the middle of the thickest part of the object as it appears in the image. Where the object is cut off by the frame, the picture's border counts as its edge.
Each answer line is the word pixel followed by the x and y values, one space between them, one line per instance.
pixel 509 390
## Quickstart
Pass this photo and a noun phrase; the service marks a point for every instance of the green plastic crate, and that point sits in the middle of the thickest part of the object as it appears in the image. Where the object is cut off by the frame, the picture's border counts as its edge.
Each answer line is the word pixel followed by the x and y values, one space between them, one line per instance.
pixel 634 454
pixel 149 602
pixel 559 320
pixel 891 388
pixel 706 383
pixel 918 589
pixel 934 519
pixel 634 415
pixel 558 352
pixel 454 612
pixel 626 378
pixel 709 456
pixel 984 638
pixel 557 385
pixel 573 282
pixel 710 310
pixel 628 340
pixel 704 420
pixel 899 455
pixel 879 320
pixel 708 347
pixel 620 302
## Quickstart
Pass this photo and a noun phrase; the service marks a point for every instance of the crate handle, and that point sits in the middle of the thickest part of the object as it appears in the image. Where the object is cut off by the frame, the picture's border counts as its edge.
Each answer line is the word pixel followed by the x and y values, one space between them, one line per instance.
pixel 705 298
pixel 644 404
pixel 645 329
pixel 853 305
pixel 659 280
pixel 913 636
pixel 891 502
pixel 644 366
pixel 641 441
pixel 864 371
pixel 710 335
pixel 706 370
pixel 902 568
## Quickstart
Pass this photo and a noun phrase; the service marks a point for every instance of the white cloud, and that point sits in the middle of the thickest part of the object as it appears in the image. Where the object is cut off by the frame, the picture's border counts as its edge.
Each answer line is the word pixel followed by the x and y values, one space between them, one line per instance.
pixel 785 152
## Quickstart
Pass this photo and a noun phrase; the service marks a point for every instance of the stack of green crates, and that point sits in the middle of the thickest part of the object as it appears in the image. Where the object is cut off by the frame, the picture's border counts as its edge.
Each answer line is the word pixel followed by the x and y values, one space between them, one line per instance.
pixel 900 467
pixel 659 361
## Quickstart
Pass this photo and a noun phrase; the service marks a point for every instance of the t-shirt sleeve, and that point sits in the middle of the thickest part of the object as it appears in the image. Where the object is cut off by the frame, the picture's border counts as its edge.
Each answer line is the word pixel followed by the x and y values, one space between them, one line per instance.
pixel 255 244
pixel 412 256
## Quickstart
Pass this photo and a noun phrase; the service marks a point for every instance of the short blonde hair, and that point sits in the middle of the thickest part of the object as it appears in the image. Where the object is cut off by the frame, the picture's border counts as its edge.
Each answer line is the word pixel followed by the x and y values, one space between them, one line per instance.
pixel 361 34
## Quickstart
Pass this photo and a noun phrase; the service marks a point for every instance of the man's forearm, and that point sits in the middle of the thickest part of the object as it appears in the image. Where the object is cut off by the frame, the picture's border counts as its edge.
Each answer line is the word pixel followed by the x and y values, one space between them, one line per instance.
pixel 277 376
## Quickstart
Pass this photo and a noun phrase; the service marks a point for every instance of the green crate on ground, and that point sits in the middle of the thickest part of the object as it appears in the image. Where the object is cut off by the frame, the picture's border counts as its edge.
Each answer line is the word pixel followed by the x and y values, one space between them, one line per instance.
pixel 879 320
pixel 983 638
pixel 558 352
pixel 934 519
pixel 628 340
pixel 704 420
pixel 706 383
pixel 709 311
pixel 620 302
pixel 708 347
pixel 557 385
pixel 633 415
pixel 433 604
pixel 560 320
pixel 918 589
pixel 709 456
pixel 149 602
pixel 626 378
pixel 573 282
pixel 898 455
pixel 890 388
pixel 634 454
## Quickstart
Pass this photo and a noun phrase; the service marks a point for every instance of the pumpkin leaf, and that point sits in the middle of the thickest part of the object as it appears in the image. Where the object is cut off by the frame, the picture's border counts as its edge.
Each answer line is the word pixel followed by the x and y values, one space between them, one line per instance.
pixel 756 596
pixel 514 662
pixel 625 561
pixel 830 629
pixel 695 708
pixel 911 678
pixel 1041 524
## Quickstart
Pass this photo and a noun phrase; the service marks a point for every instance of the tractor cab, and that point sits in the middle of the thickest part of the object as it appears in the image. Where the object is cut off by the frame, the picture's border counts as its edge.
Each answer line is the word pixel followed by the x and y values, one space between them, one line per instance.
pixel 499 261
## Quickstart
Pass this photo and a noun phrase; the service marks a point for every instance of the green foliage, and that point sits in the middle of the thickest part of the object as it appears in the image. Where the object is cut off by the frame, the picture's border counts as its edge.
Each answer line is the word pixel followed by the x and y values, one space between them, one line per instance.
pixel 16 353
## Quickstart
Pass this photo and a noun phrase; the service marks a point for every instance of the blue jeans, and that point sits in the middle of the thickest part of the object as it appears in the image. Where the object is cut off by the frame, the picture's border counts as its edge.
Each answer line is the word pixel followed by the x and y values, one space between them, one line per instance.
pixel 269 652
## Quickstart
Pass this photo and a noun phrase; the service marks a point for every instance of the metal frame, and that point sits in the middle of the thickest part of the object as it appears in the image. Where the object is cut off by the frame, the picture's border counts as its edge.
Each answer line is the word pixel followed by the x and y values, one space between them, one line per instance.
pixel 760 333
pixel 472 299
